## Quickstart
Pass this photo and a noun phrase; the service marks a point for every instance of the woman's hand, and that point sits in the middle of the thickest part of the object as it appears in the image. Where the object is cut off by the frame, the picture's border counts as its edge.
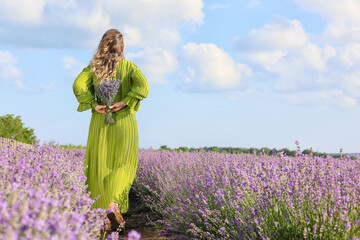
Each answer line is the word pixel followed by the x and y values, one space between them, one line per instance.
pixel 117 106
pixel 100 109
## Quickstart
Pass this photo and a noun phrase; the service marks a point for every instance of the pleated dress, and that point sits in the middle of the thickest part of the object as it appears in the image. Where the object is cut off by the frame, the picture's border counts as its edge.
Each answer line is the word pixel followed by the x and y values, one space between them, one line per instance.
pixel 112 150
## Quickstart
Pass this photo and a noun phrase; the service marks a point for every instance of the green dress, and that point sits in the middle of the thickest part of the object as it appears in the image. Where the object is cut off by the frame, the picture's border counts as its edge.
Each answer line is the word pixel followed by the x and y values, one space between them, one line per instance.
pixel 112 150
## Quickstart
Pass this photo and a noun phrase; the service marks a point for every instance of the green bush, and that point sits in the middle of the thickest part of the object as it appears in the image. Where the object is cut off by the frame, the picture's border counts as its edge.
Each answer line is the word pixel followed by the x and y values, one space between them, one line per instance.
pixel 11 126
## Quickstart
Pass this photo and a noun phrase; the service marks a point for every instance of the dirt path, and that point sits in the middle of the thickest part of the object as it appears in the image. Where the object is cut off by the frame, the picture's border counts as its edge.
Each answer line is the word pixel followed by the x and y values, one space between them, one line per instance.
pixel 138 222
pixel 136 219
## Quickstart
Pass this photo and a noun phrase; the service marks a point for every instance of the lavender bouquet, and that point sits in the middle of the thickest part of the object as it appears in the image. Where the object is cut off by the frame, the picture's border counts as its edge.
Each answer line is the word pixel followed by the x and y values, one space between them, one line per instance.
pixel 107 91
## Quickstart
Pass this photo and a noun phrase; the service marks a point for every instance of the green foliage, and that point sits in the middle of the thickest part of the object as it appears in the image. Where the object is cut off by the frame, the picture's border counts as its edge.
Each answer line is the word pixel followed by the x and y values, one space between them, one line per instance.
pixel 184 149
pixel 13 126
pixel 72 146
pixel 164 147
pixel 266 150
pixel 238 150
pixel 318 154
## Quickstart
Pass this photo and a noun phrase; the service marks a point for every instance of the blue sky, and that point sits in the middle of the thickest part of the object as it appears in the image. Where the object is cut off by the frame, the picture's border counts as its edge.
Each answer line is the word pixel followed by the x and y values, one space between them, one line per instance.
pixel 247 73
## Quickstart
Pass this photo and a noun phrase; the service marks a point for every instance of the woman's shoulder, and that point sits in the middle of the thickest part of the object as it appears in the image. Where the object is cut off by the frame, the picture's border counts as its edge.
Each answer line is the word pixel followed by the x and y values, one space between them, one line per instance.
pixel 87 68
pixel 128 64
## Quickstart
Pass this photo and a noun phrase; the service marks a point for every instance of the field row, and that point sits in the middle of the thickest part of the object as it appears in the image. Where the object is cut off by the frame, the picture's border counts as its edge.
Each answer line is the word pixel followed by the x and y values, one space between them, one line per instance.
pixel 208 195
pixel 199 195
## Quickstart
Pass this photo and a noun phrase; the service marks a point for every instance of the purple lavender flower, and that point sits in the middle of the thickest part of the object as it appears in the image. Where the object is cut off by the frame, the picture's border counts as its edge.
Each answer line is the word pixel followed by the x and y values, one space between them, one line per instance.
pixel 107 91
pixel 223 196
pixel 43 194
pixel 134 235
pixel 203 195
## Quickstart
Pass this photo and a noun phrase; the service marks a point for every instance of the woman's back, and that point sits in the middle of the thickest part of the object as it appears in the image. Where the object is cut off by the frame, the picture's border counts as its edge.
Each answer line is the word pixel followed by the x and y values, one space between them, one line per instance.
pixel 133 87
pixel 112 149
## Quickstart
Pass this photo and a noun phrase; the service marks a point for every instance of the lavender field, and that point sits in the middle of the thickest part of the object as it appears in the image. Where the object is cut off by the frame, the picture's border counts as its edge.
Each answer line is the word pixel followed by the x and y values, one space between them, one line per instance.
pixel 43 194
pixel 198 195
pixel 222 196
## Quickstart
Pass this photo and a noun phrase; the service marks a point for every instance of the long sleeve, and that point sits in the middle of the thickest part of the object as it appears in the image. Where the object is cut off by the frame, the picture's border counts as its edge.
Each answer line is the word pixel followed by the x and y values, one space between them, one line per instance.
pixel 84 90
pixel 139 89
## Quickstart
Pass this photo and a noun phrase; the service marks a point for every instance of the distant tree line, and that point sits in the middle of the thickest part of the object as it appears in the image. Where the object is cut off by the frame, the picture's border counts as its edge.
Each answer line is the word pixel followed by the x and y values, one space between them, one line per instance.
pixel 66 146
pixel 239 150
pixel 72 146
pixel 13 127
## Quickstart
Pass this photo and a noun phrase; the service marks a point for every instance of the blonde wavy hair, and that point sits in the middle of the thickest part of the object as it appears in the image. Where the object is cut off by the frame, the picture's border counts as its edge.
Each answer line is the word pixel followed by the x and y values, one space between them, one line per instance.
pixel 108 55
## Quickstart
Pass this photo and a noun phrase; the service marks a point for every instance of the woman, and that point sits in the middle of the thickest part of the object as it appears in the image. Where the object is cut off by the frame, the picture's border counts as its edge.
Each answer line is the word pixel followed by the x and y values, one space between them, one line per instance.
pixel 112 150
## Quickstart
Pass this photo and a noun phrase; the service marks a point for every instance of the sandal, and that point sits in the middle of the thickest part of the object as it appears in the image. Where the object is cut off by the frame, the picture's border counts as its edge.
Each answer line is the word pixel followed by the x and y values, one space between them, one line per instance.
pixel 107 225
pixel 117 222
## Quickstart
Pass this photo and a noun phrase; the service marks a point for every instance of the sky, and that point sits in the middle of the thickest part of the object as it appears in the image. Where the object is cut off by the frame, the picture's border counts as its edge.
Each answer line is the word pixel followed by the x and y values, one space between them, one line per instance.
pixel 227 73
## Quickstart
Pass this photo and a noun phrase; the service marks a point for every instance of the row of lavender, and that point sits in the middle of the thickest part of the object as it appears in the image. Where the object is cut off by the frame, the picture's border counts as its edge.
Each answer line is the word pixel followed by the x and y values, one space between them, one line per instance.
pixel 199 195
pixel 43 194
pixel 221 196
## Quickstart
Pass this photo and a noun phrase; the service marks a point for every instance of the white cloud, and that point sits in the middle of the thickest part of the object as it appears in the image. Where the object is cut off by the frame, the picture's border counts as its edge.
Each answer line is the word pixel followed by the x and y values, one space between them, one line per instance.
pixel 79 23
pixel 342 33
pixel 154 13
pixel 6 58
pixel 279 34
pixel 27 12
pixel 351 54
pixel 321 98
pixel 211 68
pixel 295 70
pixel 270 61
pixel 291 64
pixel 334 10
pixel 69 62
pixel 164 37
pixel 218 6
pixel 342 16
pixel 153 23
pixel 8 71
pixel 155 63
pixel 329 51
pixel 94 20
pixel 350 82
pixel 72 67
pixel 65 4
pixel 282 52
pixel 312 75
pixel 319 69
pixel 322 69
pixel 313 57
pixel 48 87
pixel 253 3
pixel 132 36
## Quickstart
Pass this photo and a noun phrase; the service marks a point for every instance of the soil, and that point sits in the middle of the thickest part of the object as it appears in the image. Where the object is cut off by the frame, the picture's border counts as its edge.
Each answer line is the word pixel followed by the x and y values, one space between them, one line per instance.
pixel 137 218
